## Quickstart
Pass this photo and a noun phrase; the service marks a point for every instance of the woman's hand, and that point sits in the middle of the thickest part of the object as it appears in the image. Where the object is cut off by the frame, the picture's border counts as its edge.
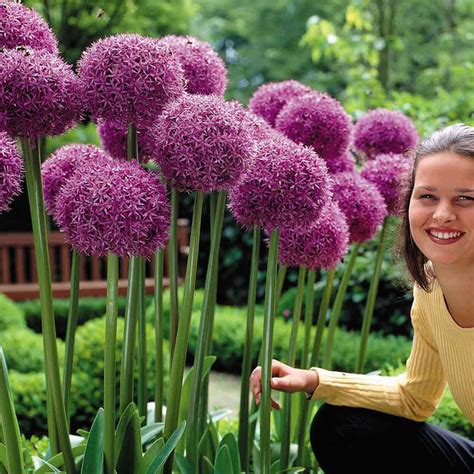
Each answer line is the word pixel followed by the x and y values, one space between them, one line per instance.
pixel 284 378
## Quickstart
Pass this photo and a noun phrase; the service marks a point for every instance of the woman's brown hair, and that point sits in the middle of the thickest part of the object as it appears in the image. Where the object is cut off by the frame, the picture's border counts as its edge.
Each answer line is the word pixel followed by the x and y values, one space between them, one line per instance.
pixel 458 139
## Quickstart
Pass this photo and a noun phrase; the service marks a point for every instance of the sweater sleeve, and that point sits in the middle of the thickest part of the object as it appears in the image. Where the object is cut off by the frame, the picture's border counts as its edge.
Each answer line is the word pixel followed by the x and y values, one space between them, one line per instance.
pixel 414 394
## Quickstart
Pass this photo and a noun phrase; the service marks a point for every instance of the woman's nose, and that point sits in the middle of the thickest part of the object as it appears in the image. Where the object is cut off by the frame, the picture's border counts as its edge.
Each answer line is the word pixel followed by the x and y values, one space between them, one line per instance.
pixel 444 212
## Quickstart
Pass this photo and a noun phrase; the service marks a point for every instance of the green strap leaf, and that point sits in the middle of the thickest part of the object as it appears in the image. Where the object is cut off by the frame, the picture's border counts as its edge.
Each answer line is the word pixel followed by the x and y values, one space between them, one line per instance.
pixel 120 431
pixel 223 460
pixel 230 441
pixel 150 456
pixel 57 461
pixel 183 464
pixel 149 432
pixel 130 453
pixel 93 462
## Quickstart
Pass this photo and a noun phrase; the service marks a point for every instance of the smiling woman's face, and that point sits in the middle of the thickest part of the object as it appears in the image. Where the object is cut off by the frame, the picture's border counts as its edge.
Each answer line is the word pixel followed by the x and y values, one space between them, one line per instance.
pixel 441 212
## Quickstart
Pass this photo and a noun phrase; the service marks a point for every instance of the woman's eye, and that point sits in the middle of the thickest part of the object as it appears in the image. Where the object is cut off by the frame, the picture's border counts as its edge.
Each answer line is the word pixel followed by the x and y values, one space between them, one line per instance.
pixel 466 198
pixel 426 196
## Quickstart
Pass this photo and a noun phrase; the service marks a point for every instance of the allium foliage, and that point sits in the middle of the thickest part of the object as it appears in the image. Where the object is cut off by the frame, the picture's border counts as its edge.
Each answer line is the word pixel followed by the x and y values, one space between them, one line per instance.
pixel 39 94
pixel 21 26
pixel 384 131
pixel 129 78
pixel 320 245
pixel 113 137
pixel 388 173
pixel 268 100
pixel 62 164
pixel 318 121
pixel 114 206
pixel 361 203
pixel 201 143
pixel 11 171
pixel 286 184
pixel 204 70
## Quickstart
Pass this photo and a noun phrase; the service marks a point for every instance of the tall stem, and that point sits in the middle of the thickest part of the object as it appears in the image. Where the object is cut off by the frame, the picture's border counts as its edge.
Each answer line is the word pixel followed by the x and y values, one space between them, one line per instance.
pixel 336 310
pixel 159 336
pixel 34 185
pixel 142 379
pixel 308 316
pixel 193 437
pixel 286 439
pixel 71 331
pixel 280 282
pixel 173 270
pixel 179 356
pixel 109 361
pixel 247 360
pixel 369 307
pixel 269 312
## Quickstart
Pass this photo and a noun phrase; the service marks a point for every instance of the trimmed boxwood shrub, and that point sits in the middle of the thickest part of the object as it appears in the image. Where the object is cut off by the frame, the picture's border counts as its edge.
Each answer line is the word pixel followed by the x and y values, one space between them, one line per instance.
pixel 11 316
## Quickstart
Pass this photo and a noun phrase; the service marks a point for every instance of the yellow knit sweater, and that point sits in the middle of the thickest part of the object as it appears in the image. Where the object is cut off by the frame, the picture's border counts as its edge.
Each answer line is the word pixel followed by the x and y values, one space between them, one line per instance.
pixel 442 352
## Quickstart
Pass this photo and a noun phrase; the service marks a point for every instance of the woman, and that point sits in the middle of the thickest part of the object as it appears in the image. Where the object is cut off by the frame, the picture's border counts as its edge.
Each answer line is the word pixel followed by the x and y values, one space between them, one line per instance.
pixel 375 424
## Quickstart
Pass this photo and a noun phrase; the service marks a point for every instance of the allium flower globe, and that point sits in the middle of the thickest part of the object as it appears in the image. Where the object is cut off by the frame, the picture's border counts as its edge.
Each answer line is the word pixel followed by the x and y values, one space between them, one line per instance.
pixel 342 163
pixel 384 131
pixel 361 203
pixel 388 173
pixel 113 137
pixel 201 143
pixel 129 78
pixel 62 164
pixel 11 171
pixel 258 128
pixel 114 206
pixel 39 94
pixel 204 70
pixel 21 26
pixel 322 244
pixel 268 100
pixel 318 121
pixel 285 185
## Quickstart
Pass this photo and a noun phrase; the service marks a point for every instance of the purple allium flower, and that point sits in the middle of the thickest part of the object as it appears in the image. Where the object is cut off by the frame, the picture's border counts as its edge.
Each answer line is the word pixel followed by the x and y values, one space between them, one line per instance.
pixel 388 172
pixel 61 165
pixel 341 164
pixel 321 245
pixel 39 94
pixel 114 140
pixel 285 185
pixel 114 206
pixel 204 70
pixel 201 143
pixel 129 78
pixel 384 131
pixel 11 171
pixel 361 203
pixel 21 26
pixel 269 99
pixel 318 121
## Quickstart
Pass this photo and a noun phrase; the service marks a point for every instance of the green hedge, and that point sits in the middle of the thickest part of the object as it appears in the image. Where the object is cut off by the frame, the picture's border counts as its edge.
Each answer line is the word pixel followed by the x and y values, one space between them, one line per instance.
pixel 11 315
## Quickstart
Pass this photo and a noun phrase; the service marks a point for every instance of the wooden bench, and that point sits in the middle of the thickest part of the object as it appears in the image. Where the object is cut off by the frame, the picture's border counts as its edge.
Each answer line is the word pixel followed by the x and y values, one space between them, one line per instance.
pixel 19 281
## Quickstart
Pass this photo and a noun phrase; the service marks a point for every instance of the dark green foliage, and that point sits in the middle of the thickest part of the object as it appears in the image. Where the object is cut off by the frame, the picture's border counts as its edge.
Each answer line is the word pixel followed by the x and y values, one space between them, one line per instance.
pixel 11 316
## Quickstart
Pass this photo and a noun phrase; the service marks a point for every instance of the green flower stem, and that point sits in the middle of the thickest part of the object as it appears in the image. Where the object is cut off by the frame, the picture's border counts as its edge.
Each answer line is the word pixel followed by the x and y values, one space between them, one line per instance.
pixel 269 313
pixel 71 331
pixel 52 429
pixel 247 359
pixel 336 310
pixel 142 379
pixel 32 161
pixel 308 316
pixel 192 435
pixel 109 361
pixel 369 307
pixel 132 142
pixel 280 282
pixel 323 309
pixel 286 439
pixel 11 430
pixel 182 338
pixel 159 336
pixel 173 270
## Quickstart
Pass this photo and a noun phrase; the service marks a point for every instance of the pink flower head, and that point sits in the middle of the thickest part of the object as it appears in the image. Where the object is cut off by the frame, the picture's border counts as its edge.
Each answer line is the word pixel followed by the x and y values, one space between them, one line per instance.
pixel 114 206
pixel 113 136
pixel 259 128
pixel 384 131
pixel 388 172
pixel 21 26
pixel 129 78
pixel 342 163
pixel 285 185
pixel 361 203
pixel 320 245
pixel 201 143
pixel 39 94
pixel 11 171
pixel 269 99
pixel 204 70
pixel 61 165
pixel 318 121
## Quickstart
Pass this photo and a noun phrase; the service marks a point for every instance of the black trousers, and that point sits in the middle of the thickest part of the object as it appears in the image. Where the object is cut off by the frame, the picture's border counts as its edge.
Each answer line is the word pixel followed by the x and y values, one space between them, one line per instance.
pixel 357 440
